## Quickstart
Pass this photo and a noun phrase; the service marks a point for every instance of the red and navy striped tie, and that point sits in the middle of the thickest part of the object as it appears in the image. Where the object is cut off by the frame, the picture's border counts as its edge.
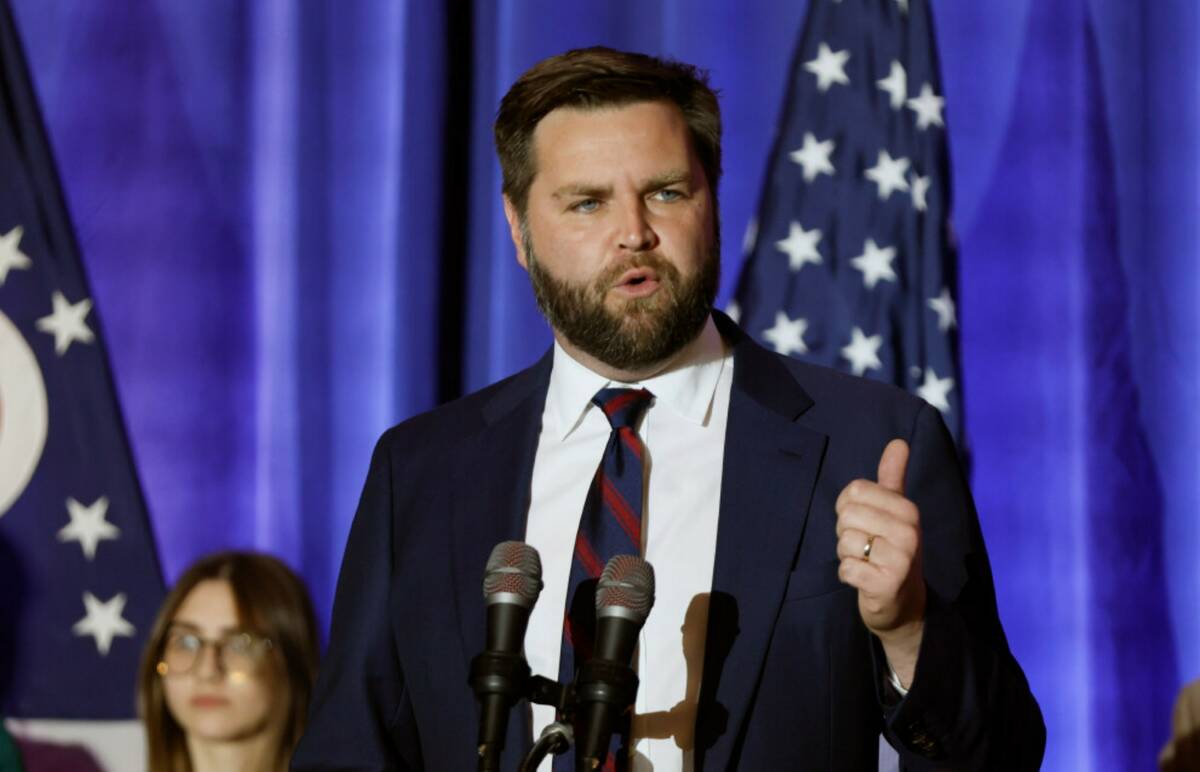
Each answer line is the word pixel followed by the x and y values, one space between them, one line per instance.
pixel 611 525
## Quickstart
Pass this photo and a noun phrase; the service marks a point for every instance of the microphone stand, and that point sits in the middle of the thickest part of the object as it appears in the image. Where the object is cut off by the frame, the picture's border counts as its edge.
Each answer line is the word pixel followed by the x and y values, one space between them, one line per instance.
pixel 557 737
pixel 604 682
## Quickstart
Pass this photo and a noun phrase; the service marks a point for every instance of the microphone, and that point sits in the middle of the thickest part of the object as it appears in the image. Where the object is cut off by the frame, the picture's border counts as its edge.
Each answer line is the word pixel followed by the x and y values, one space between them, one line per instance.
pixel 607 686
pixel 511 584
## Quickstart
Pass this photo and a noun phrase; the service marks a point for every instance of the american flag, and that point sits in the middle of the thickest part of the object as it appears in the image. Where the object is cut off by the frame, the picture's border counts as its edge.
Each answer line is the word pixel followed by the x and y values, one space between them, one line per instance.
pixel 851 262
pixel 79 577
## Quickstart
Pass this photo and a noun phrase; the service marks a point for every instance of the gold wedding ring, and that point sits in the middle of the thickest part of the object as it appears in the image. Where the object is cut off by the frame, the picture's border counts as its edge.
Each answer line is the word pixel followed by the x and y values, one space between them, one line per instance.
pixel 867 548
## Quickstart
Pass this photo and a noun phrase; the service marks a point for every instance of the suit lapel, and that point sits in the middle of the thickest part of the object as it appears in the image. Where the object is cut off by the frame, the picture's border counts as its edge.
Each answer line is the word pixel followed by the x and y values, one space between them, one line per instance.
pixel 770 468
pixel 491 501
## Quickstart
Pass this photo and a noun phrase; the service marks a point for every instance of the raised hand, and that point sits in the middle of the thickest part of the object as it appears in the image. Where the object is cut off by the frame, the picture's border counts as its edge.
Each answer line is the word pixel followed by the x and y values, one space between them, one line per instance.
pixel 879 546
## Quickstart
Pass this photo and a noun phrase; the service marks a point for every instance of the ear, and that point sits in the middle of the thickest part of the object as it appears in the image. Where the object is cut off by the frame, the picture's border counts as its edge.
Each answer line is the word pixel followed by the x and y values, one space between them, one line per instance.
pixel 514 230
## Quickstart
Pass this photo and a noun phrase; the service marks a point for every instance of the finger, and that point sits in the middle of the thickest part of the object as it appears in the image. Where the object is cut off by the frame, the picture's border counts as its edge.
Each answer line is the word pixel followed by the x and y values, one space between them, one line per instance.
pixel 862 517
pixel 875 495
pixel 892 465
pixel 900 528
pixel 850 544
pixel 884 555
pixel 859 574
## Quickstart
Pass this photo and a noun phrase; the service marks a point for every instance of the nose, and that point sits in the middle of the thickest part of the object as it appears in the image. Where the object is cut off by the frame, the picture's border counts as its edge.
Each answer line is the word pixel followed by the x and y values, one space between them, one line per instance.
pixel 209 666
pixel 636 232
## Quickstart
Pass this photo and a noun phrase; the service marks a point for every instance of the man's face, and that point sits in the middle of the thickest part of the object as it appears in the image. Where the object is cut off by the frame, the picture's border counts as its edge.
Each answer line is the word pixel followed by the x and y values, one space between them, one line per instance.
pixel 619 235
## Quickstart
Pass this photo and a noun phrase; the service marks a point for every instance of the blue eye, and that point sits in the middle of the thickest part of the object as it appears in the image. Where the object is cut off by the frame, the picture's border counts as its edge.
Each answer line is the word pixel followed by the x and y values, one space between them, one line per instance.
pixel 585 206
pixel 666 194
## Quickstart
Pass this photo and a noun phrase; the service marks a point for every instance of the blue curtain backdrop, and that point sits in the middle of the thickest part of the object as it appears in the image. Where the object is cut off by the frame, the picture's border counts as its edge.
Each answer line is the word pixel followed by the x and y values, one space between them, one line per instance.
pixel 289 214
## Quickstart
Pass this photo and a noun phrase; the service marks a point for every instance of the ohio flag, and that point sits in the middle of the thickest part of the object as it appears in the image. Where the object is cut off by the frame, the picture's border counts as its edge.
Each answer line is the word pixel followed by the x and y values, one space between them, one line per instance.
pixel 79 578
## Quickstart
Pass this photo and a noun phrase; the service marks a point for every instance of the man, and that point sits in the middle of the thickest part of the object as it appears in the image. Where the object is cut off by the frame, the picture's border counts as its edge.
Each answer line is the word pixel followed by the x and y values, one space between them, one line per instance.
pixel 820 571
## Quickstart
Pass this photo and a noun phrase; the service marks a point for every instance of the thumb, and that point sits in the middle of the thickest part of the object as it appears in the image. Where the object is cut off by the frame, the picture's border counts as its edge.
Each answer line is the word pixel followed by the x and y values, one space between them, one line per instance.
pixel 892 465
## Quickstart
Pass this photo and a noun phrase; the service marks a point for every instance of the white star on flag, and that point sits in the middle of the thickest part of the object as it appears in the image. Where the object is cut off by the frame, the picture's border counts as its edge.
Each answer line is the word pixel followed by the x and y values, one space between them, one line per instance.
pixel 896 85
pixel 787 335
pixel 888 174
pixel 104 621
pixel 943 306
pixel 928 107
pixel 800 246
pixel 88 525
pixel 863 351
pixel 829 67
pixel 920 186
pixel 814 157
pixel 875 263
pixel 860 293
pixel 11 256
pixel 66 323
pixel 935 389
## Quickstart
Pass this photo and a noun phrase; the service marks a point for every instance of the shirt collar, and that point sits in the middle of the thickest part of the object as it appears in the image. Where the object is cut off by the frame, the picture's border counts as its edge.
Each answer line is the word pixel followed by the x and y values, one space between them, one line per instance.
pixel 687 388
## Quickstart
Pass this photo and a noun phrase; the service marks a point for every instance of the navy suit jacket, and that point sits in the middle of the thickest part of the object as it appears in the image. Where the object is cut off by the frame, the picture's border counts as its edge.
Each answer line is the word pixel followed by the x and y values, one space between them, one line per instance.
pixel 792 679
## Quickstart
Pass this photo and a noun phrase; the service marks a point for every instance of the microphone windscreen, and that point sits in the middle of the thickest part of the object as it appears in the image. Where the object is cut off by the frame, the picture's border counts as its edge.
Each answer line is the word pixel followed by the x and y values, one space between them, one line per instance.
pixel 513 574
pixel 626 589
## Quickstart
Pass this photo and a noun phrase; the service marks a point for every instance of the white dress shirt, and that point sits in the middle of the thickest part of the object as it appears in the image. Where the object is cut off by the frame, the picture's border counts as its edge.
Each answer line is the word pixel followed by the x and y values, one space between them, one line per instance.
pixel 684 434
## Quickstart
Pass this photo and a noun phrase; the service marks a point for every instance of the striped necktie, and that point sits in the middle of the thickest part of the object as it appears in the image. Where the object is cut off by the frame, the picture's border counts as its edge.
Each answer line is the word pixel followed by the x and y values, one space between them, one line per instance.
pixel 611 525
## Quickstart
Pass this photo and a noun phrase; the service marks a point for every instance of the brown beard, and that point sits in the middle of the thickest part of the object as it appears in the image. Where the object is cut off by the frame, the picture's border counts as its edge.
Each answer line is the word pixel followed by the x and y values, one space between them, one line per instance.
pixel 644 331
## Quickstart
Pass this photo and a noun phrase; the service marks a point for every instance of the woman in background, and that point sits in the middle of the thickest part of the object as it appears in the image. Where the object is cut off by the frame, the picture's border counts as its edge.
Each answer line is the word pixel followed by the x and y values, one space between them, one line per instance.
pixel 229 668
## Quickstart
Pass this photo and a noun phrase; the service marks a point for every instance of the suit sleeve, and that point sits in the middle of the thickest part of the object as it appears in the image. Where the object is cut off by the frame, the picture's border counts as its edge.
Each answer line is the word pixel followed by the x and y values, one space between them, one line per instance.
pixel 360 718
pixel 969 706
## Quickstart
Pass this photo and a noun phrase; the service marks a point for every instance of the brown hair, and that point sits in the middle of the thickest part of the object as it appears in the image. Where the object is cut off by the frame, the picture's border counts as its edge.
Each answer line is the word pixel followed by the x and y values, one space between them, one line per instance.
pixel 271 601
pixel 590 78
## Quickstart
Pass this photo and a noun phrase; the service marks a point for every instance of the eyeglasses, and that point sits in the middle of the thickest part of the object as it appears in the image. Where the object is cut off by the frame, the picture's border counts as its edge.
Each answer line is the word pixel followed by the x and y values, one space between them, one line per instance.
pixel 239 652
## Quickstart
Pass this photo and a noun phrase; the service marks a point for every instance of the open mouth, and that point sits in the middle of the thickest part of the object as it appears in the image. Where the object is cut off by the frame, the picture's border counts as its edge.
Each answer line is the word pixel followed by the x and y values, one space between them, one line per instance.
pixel 638 282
